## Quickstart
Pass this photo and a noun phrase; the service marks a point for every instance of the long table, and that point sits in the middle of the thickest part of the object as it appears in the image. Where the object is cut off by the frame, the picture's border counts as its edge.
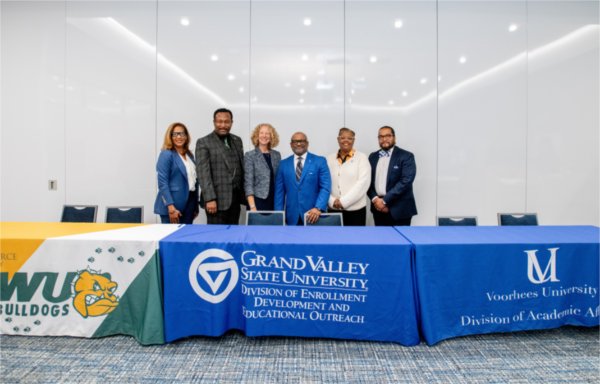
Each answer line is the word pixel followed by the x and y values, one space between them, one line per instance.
pixel 369 283
pixel 475 280
pixel 349 283
pixel 85 280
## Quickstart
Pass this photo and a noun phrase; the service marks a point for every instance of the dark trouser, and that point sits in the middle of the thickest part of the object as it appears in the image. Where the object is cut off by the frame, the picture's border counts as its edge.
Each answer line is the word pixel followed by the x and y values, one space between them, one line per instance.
pixel 228 216
pixel 187 213
pixel 353 218
pixel 385 219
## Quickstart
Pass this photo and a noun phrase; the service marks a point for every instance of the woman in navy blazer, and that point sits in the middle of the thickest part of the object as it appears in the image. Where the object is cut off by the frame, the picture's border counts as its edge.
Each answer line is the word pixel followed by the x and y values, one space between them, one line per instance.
pixel 177 199
pixel 260 168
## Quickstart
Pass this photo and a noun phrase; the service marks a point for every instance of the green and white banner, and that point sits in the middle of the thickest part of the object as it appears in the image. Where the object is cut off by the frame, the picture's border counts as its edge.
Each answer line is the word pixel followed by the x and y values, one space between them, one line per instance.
pixel 86 280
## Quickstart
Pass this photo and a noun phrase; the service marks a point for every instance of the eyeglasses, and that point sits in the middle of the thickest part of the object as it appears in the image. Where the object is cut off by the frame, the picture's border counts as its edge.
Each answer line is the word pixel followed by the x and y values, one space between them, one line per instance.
pixel 299 141
pixel 385 136
pixel 178 134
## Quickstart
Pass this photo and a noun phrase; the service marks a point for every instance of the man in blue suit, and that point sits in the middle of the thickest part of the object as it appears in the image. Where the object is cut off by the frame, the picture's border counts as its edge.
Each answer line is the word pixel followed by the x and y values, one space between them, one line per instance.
pixel 393 171
pixel 302 184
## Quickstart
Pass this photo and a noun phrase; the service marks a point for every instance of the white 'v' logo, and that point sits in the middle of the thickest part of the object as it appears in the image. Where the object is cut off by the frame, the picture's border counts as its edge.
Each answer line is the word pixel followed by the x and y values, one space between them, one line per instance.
pixel 533 265
pixel 223 267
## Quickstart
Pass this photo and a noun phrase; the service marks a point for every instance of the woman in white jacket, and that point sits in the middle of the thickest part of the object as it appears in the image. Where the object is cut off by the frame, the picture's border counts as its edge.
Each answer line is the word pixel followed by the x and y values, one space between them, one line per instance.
pixel 350 178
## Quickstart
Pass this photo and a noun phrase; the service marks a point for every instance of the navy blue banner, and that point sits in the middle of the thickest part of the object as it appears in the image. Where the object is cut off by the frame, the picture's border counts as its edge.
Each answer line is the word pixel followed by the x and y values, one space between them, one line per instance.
pixel 475 280
pixel 349 283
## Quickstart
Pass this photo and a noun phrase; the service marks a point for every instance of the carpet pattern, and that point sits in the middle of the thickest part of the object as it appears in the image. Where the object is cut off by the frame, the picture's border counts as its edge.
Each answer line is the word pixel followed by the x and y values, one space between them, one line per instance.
pixel 565 355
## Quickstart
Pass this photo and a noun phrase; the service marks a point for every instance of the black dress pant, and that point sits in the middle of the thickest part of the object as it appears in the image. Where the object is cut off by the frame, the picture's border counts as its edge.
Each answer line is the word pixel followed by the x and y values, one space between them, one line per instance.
pixel 353 218
pixel 385 219
pixel 228 216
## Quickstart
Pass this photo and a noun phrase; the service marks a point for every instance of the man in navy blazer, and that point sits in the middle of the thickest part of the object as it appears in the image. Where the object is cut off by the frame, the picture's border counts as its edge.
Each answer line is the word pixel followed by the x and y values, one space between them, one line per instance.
pixel 302 184
pixel 393 171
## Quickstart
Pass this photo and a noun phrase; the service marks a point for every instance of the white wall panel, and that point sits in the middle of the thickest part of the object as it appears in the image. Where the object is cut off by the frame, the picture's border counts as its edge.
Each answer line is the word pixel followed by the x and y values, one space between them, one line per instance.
pixel 297 70
pixel 390 49
pixel 482 128
pixel 110 111
pixel 563 163
pixel 32 112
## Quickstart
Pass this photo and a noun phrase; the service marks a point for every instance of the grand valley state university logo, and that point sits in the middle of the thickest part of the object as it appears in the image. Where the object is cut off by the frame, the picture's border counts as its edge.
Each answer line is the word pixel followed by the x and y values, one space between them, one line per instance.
pixel 208 273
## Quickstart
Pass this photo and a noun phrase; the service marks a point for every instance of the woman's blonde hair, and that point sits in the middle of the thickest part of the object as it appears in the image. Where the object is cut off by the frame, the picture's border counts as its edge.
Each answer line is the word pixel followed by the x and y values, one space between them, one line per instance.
pixel 274 136
pixel 168 142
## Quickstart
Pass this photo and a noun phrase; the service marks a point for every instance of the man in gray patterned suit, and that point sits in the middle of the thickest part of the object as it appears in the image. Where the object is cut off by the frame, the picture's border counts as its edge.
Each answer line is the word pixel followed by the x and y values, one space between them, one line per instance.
pixel 220 169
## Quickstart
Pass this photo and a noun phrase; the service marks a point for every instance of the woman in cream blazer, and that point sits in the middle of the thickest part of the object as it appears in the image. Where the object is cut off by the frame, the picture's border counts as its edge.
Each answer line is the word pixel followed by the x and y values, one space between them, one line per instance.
pixel 350 178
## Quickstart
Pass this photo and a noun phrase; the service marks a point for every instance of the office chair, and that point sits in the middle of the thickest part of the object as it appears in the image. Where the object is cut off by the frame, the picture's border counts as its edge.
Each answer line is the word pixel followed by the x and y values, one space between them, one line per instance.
pixel 124 214
pixel 444 221
pixel 265 218
pixel 517 219
pixel 79 214
pixel 331 219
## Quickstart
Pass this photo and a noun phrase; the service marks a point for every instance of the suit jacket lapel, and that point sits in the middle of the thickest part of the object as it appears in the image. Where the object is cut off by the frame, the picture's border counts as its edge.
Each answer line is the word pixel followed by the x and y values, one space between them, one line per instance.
pixel 179 162
pixel 261 158
pixel 305 168
pixel 393 158
pixel 218 144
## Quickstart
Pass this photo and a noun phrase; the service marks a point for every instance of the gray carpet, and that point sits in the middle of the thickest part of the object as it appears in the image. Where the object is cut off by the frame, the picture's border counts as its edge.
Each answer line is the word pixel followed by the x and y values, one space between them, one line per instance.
pixel 566 355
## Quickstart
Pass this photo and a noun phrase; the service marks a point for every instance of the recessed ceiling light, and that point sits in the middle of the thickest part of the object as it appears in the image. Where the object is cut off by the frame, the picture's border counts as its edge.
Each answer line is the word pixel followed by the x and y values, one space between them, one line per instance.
pixel 231 77
pixel 241 89
pixel 301 101
pixel 352 91
pixel 462 59
pixel 398 23
pixel 439 78
pixel 302 91
pixel 373 59
pixel 404 93
pixel 304 57
pixel 307 21
pixel 214 58
pixel 303 78
pixel 391 102
pixel 513 27
pixel 424 80
pixel 184 21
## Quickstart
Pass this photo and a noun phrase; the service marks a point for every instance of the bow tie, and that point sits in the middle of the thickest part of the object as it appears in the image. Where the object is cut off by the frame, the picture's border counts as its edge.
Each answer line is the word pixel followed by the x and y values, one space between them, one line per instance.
pixel 384 153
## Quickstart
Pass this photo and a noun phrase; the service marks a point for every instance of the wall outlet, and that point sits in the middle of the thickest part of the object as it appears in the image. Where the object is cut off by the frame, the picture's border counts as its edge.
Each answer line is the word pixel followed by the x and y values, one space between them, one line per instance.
pixel 52 185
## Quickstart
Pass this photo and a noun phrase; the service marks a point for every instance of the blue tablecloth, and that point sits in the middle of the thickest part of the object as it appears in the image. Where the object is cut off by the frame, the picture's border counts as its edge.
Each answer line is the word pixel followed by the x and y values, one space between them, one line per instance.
pixel 475 280
pixel 349 283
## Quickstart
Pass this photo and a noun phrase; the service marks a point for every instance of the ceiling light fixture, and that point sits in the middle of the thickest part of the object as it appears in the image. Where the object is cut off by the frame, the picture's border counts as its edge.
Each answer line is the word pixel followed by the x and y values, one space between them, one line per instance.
pixel 513 27
pixel 184 21
pixel 398 23
pixel 307 21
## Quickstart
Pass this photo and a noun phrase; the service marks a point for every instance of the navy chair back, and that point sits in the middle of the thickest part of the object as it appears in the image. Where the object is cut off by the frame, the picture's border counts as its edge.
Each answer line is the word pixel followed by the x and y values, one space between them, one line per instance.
pixel 124 214
pixel 517 219
pixel 444 221
pixel 79 214
pixel 331 219
pixel 265 218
